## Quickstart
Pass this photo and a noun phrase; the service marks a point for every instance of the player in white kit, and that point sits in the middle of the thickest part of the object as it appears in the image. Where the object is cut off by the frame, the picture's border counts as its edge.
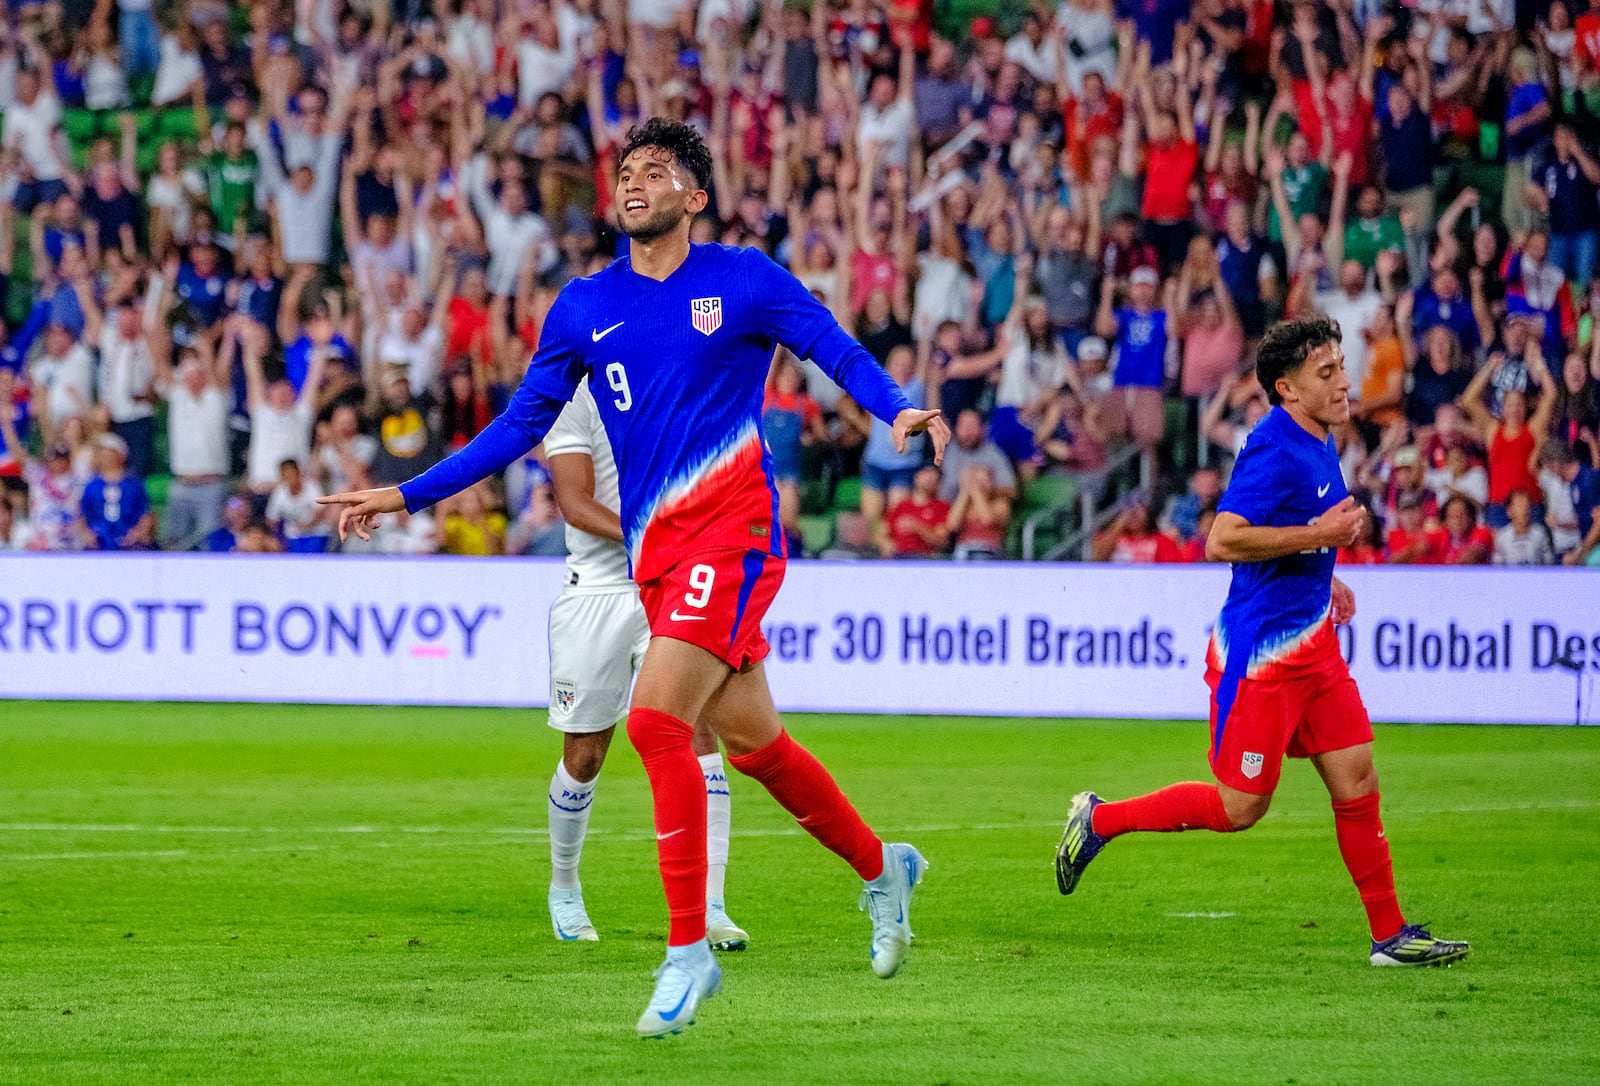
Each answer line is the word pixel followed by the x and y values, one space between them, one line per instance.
pixel 598 634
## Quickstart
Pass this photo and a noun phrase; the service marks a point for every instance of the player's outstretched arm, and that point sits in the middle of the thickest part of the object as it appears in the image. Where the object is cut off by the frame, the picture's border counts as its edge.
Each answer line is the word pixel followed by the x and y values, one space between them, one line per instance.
pixel 1235 539
pixel 806 327
pixel 551 379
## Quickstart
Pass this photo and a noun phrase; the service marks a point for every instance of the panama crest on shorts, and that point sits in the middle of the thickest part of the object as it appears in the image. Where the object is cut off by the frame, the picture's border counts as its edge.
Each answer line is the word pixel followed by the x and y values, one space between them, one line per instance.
pixel 566 695
pixel 1250 764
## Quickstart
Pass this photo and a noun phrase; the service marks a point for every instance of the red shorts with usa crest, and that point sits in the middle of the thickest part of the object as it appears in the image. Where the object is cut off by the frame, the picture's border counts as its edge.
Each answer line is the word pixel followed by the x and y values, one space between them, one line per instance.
pixel 716 600
pixel 1256 722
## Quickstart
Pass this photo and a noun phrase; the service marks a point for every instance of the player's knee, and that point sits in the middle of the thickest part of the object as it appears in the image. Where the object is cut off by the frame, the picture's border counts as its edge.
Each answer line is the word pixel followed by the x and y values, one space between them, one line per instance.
pixel 583 760
pixel 1246 810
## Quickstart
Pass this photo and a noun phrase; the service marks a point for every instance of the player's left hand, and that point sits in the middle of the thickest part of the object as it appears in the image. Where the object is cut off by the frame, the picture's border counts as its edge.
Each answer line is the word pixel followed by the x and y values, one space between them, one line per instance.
pixel 360 509
pixel 1344 603
pixel 911 421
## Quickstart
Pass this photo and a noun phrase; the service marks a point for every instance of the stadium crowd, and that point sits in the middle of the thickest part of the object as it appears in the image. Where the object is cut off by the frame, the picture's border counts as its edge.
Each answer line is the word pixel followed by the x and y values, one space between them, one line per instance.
pixel 257 253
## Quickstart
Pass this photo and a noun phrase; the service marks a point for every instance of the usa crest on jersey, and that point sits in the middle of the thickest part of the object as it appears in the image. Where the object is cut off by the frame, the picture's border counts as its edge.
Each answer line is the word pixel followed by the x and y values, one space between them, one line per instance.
pixel 706 315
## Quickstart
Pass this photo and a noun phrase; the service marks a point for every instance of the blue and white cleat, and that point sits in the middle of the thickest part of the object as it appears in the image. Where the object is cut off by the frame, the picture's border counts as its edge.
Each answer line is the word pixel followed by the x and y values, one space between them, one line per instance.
pixel 887 899
pixel 721 931
pixel 1413 945
pixel 569 919
pixel 1079 843
pixel 688 977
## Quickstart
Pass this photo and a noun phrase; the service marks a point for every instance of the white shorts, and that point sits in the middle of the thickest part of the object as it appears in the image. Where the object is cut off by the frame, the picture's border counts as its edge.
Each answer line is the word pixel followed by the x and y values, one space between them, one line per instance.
pixel 597 642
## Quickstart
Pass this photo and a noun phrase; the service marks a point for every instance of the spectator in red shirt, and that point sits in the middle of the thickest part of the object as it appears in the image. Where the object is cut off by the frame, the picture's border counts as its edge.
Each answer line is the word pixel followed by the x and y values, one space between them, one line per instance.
pixel 1466 542
pixel 1369 551
pixel 1170 162
pixel 1132 537
pixel 917 527
pixel 1195 550
pixel 1412 542
pixel 467 332
pixel 1093 115
pixel 979 515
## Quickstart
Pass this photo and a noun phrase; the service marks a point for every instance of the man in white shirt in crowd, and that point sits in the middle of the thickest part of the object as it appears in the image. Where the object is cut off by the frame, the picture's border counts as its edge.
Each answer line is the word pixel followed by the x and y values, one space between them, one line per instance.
pixel 127 380
pixel 888 117
pixel 293 512
pixel 280 419
pixel 198 401
pixel 545 60
pixel 1355 306
pixel 342 457
pixel 510 229
pixel 62 376
pixel 33 130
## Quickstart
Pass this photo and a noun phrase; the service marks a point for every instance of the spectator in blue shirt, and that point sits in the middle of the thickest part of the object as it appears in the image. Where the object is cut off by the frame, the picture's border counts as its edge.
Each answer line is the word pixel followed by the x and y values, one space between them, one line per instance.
pixel 1565 186
pixel 235 520
pixel 1406 139
pixel 116 513
pixel 1527 126
pixel 1441 301
pixel 1140 329
pixel 1584 482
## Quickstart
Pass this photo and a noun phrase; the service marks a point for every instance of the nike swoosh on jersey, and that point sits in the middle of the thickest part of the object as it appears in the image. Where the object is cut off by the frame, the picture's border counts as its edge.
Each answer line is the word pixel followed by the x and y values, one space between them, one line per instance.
pixel 664 836
pixel 598 336
pixel 676 617
pixel 1323 489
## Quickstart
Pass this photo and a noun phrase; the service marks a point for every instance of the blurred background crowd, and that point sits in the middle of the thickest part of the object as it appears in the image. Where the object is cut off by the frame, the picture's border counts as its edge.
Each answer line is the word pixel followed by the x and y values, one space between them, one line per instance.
pixel 256 253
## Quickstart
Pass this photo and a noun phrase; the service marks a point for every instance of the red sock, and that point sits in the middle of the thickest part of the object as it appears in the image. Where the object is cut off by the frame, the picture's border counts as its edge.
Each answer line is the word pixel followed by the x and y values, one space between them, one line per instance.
pixel 678 788
pixel 1365 849
pixel 806 790
pixel 1189 806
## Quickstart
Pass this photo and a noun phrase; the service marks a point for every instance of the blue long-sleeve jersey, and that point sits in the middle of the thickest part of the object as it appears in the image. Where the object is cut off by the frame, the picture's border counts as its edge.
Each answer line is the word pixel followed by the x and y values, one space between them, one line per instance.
pixel 678 369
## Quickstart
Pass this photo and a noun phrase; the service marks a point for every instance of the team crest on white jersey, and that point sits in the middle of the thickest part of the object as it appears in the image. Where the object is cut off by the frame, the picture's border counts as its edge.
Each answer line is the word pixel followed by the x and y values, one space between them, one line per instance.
pixel 1250 765
pixel 706 315
pixel 566 695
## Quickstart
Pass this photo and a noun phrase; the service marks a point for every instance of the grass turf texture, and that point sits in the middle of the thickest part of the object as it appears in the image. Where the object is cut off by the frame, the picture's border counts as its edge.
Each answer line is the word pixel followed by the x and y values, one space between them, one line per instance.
pixel 283 893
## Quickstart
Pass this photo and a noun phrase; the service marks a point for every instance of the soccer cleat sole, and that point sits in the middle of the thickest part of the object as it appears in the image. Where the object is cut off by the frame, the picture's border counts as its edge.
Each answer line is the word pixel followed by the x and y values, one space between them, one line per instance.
pixel 1068 874
pixel 731 943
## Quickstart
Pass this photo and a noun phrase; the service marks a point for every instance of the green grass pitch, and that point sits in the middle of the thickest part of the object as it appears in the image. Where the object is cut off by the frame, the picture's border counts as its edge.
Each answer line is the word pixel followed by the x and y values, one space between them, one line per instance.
pixel 241 894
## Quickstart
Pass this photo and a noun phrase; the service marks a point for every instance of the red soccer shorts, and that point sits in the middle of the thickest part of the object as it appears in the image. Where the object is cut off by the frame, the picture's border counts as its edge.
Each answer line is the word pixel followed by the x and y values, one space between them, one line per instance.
pixel 716 600
pixel 1254 723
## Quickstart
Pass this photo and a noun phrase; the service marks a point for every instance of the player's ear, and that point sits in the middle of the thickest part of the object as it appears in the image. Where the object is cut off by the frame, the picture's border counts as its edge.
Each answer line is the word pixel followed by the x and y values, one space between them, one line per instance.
pixel 698 199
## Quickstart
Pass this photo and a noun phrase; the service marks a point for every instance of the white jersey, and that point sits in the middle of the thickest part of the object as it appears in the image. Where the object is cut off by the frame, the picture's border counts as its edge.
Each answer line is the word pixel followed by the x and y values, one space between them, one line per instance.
pixel 592 561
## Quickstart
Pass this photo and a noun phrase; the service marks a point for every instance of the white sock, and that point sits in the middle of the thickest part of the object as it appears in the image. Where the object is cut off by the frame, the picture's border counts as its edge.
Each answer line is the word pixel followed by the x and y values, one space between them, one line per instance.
pixel 569 821
pixel 718 818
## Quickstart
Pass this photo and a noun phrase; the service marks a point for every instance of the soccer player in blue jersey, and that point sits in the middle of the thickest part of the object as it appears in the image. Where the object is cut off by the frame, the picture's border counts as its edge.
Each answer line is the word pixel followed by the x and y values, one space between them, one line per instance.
pixel 676 341
pixel 1278 682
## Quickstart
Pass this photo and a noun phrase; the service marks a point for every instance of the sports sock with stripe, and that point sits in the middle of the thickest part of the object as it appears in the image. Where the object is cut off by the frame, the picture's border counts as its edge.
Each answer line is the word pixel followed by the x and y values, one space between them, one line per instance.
pixel 804 788
pixel 1359 828
pixel 677 790
pixel 570 800
pixel 1192 805
pixel 718 820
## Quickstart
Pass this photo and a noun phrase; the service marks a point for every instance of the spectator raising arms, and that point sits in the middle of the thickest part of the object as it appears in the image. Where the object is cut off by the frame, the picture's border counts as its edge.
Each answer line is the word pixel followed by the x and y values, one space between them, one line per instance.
pixel 1069 239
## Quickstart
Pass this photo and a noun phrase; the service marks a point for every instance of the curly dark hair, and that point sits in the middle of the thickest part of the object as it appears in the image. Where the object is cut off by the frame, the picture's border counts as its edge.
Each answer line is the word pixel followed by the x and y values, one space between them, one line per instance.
pixel 681 141
pixel 1284 349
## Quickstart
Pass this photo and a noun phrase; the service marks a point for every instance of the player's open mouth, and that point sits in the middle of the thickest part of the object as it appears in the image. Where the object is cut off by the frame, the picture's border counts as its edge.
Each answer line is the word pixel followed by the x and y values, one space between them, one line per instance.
pixel 634 205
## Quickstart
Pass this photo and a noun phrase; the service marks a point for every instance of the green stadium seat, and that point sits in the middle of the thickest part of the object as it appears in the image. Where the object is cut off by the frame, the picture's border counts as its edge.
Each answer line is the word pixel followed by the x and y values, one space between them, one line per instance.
pixel 847 495
pixel 156 488
pixel 179 126
pixel 1046 492
pixel 816 532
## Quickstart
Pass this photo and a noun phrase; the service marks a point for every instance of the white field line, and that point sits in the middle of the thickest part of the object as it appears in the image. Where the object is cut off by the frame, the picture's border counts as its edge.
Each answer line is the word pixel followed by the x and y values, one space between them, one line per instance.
pixel 1308 814
pixel 509 834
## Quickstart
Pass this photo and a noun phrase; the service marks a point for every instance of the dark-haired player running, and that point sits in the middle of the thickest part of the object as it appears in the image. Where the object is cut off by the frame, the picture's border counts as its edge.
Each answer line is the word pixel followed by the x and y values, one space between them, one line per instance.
pixel 1278 682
